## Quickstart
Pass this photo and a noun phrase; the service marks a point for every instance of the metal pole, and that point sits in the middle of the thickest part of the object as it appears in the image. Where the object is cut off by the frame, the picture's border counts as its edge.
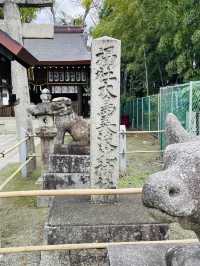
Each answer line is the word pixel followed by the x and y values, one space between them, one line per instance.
pixel 149 113
pixel 133 121
pixel 172 100
pixel 160 115
pixel 142 113
pixel 137 113
pixel 159 112
pixel 190 106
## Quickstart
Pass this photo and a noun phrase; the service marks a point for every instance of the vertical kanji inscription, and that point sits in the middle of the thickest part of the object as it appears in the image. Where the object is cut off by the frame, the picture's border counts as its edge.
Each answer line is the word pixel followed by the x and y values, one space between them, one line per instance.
pixel 105 102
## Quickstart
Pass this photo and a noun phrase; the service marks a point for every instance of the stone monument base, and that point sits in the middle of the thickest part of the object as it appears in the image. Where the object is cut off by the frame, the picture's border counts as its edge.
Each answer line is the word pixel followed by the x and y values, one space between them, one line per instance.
pixel 77 220
pixel 66 180
pixel 72 148
pixel 65 171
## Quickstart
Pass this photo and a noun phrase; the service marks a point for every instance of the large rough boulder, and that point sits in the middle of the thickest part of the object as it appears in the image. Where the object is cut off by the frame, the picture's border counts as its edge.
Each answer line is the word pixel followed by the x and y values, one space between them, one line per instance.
pixel 175 191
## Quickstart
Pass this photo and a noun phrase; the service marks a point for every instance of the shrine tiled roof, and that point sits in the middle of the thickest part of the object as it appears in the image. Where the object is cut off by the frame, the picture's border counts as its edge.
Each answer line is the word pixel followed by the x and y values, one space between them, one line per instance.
pixel 15 51
pixel 67 47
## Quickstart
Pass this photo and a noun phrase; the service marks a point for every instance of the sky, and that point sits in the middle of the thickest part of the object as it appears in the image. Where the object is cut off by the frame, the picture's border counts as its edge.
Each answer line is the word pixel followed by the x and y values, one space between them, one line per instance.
pixel 68 6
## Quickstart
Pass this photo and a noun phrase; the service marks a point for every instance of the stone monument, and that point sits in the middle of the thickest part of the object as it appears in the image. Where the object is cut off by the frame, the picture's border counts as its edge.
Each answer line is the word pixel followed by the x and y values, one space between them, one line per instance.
pixel 13 26
pixel 105 106
pixel 80 219
pixel 175 190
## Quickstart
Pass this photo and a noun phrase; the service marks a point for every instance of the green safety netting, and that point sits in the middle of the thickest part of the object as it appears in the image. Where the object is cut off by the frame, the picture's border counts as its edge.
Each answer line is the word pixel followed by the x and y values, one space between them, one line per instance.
pixel 149 113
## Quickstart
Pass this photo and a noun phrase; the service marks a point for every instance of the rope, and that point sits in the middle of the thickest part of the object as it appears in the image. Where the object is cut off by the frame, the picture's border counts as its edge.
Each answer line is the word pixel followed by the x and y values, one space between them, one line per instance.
pixel 90 246
pixel 70 192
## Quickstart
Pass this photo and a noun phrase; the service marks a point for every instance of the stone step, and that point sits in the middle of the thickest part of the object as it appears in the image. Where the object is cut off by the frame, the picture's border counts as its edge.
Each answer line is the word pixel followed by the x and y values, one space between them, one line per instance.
pixel 77 220
pixel 69 163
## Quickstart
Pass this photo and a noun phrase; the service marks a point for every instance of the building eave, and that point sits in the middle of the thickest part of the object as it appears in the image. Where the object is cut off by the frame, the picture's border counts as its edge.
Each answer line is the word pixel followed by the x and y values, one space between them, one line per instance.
pixel 18 52
pixel 63 63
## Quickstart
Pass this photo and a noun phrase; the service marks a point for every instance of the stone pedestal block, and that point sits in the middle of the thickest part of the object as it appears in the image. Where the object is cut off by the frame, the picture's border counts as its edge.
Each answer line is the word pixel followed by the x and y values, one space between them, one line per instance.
pixel 78 220
pixel 72 149
pixel 66 180
pixel 65 171
pixel 59 163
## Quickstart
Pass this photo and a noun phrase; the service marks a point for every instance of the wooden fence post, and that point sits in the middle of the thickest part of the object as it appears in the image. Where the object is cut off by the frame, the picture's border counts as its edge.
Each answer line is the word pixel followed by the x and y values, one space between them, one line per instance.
pixel 122 141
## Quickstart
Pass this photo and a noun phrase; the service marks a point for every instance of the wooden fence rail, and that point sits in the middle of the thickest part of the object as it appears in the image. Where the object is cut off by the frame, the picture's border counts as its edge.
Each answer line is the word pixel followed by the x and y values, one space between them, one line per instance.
pixel 90 246
pixel 5 152
pixel 71 192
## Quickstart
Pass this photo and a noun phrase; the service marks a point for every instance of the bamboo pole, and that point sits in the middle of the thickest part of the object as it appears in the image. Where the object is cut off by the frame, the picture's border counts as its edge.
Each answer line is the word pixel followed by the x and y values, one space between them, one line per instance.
pixel 15 173
pixel 3 153
pixel 70 192
pixel 68 247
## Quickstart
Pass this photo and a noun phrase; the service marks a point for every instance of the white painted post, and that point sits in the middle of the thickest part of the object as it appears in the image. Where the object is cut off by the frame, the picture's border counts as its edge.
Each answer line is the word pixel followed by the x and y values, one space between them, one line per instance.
pixel 105 113
pixel 23 152
pixel 122 145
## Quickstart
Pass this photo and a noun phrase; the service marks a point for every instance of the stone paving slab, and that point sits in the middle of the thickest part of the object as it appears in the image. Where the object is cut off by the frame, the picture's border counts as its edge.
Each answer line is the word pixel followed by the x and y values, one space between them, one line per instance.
pixel 139 255
pixel 31 259
pixel 80 211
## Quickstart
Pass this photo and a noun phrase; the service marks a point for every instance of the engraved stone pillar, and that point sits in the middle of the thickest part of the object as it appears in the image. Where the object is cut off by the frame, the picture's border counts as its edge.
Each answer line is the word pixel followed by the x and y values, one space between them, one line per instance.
pixel 105 113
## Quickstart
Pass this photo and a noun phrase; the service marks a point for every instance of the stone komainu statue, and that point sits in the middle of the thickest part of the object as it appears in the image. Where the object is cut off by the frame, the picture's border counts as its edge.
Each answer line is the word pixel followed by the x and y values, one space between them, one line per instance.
pixel 66 120
pixel 175 191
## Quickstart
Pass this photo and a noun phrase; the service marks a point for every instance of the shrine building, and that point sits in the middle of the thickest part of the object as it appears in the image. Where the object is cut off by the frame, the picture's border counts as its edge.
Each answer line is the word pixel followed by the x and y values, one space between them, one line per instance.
pixel 10 50
pixel 63 67
pixel 61 64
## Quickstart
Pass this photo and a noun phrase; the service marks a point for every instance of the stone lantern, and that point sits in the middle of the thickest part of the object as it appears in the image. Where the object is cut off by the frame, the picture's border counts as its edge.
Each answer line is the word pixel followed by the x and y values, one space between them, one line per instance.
pixel 46 130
